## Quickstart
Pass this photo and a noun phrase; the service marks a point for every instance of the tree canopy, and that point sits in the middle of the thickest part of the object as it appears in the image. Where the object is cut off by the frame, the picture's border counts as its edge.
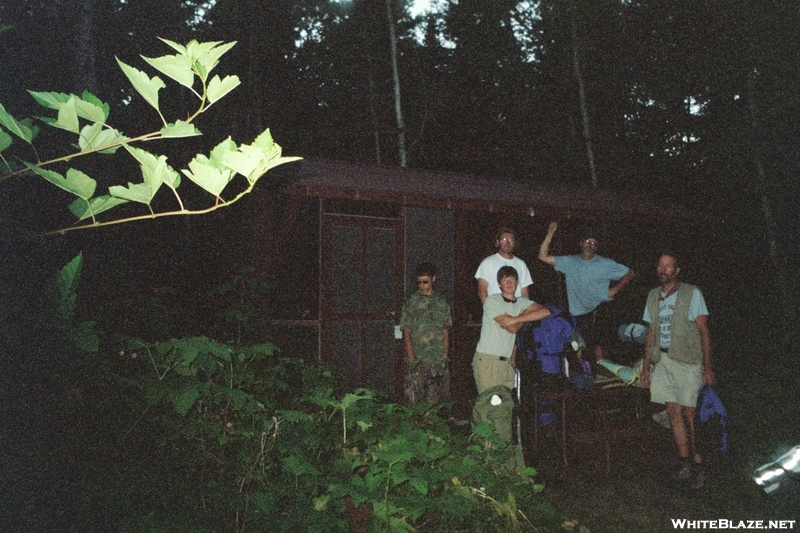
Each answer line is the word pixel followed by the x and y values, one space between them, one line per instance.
pixel 682 99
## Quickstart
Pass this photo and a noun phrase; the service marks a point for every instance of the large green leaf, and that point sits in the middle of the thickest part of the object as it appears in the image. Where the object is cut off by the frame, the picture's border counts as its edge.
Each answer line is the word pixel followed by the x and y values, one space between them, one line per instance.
pixel 68 117
pixel 205 174
pixel 80 184
pixel 89 110
pixel 142 156
pixel 14 126
pixel 254 160
pixel 203 57
pixel 76 181
pixel 68 276
pixel 160 172
pixel 87 106
pixel 180 128
pixel 94 136
pixel 421 485
pixel 5 140
pixel 178 67
pixel 206 55
pixel 351 398
pixel 83 209
pixel 217 88
pixel 92 99
pixel 155 169
pixel 188 349
pixel 134 192
pixel 246 160
pixel 218 153
pixel 33 128
pixel 65 282
pixel 178 47
pixel 84 337
pixel 296 466
pixel 50 100
pixel 186 398
pixel 144 85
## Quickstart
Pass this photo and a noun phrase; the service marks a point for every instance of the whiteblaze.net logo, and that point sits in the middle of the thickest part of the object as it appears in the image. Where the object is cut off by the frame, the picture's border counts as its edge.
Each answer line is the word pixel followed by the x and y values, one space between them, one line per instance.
pixel 722 523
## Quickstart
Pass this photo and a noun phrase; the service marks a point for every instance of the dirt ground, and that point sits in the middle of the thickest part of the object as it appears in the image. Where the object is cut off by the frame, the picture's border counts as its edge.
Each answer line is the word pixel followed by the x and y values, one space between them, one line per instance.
pixel 637 496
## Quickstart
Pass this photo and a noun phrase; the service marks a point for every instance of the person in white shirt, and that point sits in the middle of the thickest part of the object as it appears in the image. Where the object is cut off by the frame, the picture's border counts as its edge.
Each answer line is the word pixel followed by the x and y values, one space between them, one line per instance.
pixel 506 242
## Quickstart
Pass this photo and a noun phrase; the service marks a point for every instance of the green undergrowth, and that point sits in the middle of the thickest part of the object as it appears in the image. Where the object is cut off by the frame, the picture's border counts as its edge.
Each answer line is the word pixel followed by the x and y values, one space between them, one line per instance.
pixel 244 439
pixel 251 440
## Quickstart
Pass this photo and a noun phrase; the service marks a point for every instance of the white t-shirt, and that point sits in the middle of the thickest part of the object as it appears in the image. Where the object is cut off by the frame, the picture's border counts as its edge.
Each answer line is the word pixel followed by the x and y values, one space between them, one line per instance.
pixel 489 267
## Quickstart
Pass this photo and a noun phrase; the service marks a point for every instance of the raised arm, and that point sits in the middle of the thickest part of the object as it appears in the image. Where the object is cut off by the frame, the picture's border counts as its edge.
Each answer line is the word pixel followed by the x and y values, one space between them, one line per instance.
pixel 544 248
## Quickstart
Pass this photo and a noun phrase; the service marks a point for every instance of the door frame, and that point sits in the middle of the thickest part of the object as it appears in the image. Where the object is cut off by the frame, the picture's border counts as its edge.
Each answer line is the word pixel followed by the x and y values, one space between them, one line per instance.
pixel 327 317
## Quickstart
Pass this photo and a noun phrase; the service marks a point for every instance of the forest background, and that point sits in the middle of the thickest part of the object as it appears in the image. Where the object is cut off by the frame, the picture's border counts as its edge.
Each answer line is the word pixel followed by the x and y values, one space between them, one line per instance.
pixel 696 102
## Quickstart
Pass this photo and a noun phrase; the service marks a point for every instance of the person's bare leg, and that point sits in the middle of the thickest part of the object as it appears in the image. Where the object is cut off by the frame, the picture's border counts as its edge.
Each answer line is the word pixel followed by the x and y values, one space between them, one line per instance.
pixel 689 413
pixel 678 424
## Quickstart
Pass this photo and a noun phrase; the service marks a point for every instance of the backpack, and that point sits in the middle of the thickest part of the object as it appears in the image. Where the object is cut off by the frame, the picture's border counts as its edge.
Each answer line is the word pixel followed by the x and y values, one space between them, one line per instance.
pixel 712 431
pixel 495 406
pixel 543 341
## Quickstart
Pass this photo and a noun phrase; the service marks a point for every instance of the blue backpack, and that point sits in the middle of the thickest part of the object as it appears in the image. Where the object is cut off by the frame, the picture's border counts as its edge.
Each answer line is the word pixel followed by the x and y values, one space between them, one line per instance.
pixel 543 341
pixel 712 437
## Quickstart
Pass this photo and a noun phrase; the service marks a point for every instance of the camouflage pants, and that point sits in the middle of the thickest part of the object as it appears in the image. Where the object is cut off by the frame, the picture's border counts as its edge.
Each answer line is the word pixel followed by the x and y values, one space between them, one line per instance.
pixel 428 382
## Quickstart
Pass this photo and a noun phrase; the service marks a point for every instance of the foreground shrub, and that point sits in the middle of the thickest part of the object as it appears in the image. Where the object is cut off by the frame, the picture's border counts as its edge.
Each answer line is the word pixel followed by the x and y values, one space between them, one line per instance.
pixel 248 440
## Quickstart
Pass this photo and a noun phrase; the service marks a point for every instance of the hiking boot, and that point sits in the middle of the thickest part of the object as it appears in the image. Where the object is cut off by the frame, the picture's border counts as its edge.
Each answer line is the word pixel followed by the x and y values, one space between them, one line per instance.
pixel 661 419
pixel 698 478
pixel 683 472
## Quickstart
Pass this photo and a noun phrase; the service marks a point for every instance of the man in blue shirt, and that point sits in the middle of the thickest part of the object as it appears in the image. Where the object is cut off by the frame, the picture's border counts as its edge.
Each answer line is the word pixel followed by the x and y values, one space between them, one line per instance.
pixel 588 276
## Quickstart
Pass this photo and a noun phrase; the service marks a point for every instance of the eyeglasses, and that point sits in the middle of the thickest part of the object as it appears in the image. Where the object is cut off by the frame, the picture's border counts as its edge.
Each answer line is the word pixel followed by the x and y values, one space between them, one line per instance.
pixel 590 242
pixel 506 239
pixel 422 282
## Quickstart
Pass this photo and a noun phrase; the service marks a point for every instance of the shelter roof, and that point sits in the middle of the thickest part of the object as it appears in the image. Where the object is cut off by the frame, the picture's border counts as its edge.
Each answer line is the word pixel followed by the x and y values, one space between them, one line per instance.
pixel 372 182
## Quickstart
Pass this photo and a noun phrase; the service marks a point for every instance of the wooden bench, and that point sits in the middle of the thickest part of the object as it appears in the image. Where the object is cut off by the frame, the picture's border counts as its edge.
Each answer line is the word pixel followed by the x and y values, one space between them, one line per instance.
pixel 609 417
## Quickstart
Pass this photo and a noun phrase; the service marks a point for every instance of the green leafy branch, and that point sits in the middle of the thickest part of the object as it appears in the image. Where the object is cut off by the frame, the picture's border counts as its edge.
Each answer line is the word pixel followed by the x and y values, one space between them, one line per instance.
pixel 81 335
pixel 86 117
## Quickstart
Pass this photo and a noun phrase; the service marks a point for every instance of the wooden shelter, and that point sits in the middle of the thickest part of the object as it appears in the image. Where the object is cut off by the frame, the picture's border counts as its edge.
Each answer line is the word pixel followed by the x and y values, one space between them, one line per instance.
pixel 341 240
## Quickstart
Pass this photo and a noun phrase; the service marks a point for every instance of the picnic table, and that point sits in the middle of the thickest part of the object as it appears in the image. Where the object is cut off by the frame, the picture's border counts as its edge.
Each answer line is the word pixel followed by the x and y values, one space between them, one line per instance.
pixel 610 413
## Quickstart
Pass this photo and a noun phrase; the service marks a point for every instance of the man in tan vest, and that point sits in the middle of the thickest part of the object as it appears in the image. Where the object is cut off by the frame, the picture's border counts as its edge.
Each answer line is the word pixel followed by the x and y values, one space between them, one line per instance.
pixel 679 344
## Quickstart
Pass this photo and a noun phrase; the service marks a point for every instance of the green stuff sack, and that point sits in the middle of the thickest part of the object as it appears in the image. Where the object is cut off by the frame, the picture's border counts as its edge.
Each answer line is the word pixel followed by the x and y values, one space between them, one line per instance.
pixel 495 406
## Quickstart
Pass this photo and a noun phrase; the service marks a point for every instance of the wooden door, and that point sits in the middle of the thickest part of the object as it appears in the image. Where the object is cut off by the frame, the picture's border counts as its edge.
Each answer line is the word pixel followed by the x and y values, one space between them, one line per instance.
pixel 361 299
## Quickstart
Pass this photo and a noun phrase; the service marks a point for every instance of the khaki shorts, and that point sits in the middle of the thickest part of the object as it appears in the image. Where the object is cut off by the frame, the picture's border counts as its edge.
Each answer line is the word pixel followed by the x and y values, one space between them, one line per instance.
pixel 490 371
pixel 675 382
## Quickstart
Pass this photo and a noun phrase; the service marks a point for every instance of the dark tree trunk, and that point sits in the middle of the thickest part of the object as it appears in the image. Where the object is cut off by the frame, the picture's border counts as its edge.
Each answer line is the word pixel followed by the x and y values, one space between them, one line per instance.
pixel 85 62
pixel 587 132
